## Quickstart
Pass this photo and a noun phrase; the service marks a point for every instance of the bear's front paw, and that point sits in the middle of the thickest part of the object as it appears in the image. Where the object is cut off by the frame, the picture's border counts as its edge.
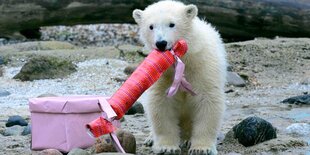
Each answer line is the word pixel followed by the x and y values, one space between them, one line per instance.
pixel 202 151
pixel 167 150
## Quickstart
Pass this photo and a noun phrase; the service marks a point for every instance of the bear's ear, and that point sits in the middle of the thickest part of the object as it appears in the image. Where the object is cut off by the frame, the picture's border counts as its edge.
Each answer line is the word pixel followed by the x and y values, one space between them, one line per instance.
pixel 137 15
pixel 191 11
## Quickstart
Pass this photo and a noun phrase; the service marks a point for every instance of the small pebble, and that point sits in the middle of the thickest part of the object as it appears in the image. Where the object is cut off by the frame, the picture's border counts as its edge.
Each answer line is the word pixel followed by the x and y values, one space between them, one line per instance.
pixel 13 131
pixel 50 152
pixel 235 80
pixel 4 93
pixel 130 69
pixel 47 95
pixel 301 129
pixel 27 130
pixel 1 71
pixel 127 140
pixel 229 68
pixel 16 120
pixel 78 151
pixel 137 108
pixel 113 153
pixel 1 60
pixel 229 91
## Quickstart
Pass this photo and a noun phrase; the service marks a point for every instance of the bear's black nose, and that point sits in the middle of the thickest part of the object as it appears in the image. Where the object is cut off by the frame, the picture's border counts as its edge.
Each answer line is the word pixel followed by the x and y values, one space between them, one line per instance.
pixel 161 45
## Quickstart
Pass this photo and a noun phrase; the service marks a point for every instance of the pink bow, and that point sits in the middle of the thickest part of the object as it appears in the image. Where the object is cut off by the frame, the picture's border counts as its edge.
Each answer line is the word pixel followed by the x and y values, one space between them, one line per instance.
pixel 179 79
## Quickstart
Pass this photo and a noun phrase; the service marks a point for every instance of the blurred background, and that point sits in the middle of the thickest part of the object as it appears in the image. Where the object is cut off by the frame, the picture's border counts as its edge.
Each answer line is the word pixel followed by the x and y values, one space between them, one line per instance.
pixel 110 22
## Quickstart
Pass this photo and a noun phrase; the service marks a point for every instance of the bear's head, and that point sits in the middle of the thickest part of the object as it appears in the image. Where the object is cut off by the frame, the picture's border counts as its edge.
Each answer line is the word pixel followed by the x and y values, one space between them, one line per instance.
pixel 163 23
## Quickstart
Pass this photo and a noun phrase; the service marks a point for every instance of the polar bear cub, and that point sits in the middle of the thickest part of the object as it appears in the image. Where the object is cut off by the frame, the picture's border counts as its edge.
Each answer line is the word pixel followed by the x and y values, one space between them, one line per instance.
pixel 184 117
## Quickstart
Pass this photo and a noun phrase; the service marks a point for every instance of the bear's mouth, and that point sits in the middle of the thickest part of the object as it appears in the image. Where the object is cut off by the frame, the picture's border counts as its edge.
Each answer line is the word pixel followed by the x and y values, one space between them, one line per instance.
pixel 169 49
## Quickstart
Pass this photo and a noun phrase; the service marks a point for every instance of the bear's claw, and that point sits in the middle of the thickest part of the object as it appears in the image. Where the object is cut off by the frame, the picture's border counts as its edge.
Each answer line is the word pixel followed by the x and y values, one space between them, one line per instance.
pixel 167 151
pixel 201 152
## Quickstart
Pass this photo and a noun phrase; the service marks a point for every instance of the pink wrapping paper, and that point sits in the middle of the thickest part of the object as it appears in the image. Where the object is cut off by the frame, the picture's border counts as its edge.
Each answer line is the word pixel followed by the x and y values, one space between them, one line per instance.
pixel 59 122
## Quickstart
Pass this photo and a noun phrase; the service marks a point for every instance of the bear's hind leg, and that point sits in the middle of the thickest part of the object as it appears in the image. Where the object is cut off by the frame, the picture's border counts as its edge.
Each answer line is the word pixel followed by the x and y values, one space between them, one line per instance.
pixel 165 129
pixel 208 114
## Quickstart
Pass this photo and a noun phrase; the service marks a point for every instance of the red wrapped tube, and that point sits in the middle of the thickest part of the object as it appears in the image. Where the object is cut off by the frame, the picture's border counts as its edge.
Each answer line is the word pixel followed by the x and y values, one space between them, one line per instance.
pixel 148 72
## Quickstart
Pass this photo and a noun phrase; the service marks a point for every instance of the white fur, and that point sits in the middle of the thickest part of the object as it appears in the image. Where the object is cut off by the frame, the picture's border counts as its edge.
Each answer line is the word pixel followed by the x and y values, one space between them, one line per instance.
pixel 185 117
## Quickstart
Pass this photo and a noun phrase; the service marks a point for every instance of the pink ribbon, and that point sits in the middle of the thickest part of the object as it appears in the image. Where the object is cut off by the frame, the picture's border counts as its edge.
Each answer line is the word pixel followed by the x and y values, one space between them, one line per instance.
pixel 109 114
pixel 179 79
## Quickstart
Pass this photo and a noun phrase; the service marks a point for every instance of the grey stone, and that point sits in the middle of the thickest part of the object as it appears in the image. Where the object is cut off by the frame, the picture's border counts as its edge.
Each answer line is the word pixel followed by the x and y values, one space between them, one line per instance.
pixel 137 108
pixel 127 140
pixel 50 152
pixel 45 67
pixel 47 95
pixel 4 93
pixel 302 99
pixel 37 46
pixel 16 120
pixel 27 130
pixel 78 151
pixel 301 129
pixel 254 130
pixel 131 53
pixel 1 71
pixel 1 60
pixel 130 69
pixel 13 131
pixel 235 80
pixel 229 68
pixel 113 153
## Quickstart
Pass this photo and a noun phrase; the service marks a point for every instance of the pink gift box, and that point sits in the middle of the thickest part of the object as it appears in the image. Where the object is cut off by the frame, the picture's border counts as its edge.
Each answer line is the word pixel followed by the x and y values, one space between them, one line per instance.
pixel 60 122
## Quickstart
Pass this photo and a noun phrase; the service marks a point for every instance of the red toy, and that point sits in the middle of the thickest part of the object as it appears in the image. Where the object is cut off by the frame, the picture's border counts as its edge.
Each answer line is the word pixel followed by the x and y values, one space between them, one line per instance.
pixel 149 71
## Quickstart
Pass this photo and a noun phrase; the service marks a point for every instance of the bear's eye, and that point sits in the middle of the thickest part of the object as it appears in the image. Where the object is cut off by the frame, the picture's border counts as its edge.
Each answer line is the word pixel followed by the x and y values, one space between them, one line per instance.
pixel 171 25
pixel 151 27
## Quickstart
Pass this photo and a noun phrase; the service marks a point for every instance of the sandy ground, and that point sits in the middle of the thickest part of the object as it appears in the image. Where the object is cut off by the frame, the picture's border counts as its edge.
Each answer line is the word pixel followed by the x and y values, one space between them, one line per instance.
pixel 276 69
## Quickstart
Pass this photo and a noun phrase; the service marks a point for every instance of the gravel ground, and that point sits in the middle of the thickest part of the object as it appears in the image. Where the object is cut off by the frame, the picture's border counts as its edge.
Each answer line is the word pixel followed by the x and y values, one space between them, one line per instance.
pixel 276 69
pixel 93 77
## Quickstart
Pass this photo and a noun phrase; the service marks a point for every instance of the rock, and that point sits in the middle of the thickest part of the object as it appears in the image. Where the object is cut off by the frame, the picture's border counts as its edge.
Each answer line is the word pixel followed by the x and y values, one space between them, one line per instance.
pixel 93 34
pixel 136 108
pixel 254 130
pixel 233 153
pixel 119 79
pixel 36 46
pixel 16 120
pixel 127 140
pixel 47 95
pixel 50 152
pixel 1 71
pixel 244 76
pixel 229 68
pixel 1 60
pixel 235 80
pixel 13 131
pixel 27 130
pixel 229 91
pixel 302 99
pixel 45 67
pixel 130 69
pixel 301 129
pixel 78 151
pixel 131 53
pixel 305 81
pixel 123 119
pixel 113 153
pixel 4 93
